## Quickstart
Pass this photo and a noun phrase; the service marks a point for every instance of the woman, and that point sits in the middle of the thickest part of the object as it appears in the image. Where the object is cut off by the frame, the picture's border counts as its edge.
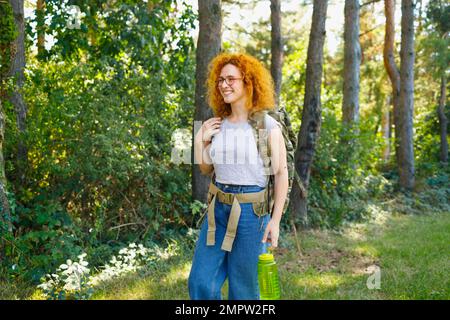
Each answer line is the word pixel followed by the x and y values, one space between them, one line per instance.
pixel 233 234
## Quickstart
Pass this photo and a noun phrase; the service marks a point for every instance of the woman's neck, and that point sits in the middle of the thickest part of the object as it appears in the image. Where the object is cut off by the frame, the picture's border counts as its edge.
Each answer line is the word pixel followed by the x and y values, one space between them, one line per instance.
pixel 238 112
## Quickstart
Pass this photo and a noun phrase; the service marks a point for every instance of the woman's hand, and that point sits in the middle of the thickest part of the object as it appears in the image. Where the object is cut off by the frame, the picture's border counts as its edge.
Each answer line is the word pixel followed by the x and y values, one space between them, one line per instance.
pixel 272 232
pixel 209 128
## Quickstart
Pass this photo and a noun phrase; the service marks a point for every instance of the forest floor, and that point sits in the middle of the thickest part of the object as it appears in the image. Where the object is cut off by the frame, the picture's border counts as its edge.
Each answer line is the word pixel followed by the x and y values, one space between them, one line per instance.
pixel 390 256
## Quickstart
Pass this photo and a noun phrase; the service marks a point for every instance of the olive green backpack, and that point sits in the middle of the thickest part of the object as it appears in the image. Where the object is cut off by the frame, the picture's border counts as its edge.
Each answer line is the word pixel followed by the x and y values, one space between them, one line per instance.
pixel 257 121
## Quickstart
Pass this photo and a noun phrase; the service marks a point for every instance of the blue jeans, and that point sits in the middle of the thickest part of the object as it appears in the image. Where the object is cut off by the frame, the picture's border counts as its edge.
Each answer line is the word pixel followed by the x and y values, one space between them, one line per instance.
pixel 211 265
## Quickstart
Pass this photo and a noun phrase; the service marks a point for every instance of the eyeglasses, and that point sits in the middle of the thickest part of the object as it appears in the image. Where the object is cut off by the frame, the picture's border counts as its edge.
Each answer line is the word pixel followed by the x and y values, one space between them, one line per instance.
pixel 228 80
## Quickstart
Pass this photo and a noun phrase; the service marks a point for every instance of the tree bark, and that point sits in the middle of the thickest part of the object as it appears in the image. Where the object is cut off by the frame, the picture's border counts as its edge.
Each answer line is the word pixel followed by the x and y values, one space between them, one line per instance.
pixel 391 67
pixel 208 46
pixel 311 115
pixel 40 27
pixel 5 212
pixel 17 72
pixel 352 58
pixel 386 129
pixel 277 47
pixel 443 121
pixel 406 101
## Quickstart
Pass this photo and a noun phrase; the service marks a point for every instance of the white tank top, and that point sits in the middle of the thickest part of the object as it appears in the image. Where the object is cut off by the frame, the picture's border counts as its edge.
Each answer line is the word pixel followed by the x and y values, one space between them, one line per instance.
pixel 234 154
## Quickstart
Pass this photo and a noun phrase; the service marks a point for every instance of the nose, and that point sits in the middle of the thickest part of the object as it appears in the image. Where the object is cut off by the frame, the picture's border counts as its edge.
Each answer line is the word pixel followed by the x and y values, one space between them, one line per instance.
pixel 225 84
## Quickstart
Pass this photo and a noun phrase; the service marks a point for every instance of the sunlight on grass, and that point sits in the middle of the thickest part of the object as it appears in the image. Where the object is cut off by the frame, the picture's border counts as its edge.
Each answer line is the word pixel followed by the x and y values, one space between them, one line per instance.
pixel 377 222
pixel 37 295
pixel 366 250
pixel 177 274
pixel 171 284
pixel 321 281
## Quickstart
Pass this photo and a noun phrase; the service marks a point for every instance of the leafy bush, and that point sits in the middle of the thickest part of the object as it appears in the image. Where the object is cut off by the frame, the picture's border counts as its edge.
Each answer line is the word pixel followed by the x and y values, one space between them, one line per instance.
pixel 44 235
pixel 74 280
pixel 70 282
pixel 101 111
pixel 344 175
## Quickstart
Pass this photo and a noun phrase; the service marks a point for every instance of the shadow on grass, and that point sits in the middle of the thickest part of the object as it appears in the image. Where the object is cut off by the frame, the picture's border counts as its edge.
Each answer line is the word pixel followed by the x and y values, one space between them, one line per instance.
pixel 16 291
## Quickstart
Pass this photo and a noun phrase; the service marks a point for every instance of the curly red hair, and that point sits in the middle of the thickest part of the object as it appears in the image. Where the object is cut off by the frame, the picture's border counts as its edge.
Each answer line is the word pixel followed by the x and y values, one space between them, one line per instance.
pixel 258 83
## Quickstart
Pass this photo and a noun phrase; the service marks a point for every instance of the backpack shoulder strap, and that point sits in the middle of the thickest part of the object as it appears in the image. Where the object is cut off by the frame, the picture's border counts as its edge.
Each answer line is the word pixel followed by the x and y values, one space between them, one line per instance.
pixel 257 121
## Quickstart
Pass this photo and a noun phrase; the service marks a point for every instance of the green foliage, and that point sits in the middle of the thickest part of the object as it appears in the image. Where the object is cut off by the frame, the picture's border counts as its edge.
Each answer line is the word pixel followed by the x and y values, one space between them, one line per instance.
pixel 344 176
pixel 438 14
pixel 44 236
pixel 70 282
pixel 7 36
pixel 102 107
pixel 427 138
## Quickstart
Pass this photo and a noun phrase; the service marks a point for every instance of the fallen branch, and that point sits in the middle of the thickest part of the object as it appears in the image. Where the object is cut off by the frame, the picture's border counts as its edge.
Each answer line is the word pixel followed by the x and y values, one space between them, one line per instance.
pixel 127 224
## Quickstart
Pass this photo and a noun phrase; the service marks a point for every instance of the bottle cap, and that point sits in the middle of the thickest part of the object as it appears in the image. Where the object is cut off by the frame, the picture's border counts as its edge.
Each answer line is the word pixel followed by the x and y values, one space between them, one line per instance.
pixel 266 257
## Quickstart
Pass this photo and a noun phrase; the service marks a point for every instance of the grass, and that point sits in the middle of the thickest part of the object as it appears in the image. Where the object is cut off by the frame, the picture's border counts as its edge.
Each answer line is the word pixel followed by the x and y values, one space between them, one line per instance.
pixel 411 251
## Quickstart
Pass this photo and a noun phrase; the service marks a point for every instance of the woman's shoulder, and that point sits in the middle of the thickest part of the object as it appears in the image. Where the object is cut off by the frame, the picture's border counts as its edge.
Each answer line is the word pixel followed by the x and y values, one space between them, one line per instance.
pixel 271 123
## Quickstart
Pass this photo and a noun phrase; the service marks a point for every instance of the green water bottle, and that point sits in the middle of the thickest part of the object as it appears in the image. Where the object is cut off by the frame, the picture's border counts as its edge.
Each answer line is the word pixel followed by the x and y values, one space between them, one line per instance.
pixel 268 279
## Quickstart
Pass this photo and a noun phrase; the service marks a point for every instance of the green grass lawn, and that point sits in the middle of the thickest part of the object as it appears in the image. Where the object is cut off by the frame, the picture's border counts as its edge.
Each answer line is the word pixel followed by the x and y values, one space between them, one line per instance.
pixel 411 251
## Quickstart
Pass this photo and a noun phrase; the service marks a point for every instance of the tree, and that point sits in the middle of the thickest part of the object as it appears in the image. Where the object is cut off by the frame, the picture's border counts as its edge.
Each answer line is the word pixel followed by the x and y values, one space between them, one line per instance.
pixel 402 87
pixel 438 15
pixel 352 59
pixel 389 58
pixel 443 121
pixel 17 73
pixel 406 99
pixel 277 46
pixel 311 115
pixel 208 46
pixel 9 33
pixel 5 212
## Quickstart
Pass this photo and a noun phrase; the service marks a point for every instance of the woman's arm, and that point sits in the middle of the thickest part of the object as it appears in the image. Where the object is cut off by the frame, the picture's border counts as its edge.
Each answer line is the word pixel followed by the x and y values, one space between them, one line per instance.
pixel 279 167
pixel 202 144
pixel 201 153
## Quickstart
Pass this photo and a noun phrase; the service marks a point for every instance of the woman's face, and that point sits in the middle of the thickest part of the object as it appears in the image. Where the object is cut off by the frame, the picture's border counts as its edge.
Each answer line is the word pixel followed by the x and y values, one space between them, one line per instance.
pixel 231 84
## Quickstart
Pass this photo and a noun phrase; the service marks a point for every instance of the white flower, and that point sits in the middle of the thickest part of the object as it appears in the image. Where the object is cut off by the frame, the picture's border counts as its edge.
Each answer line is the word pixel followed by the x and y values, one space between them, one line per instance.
pixel 81 256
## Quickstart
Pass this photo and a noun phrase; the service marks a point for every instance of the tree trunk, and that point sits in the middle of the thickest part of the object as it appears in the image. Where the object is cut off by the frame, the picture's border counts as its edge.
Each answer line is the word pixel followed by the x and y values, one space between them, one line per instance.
pixel 386 129
pixel 390 65
pixel 352 58
pixel 5 214
pixel 277 47
pixel 443 121
pixel 17 72
pixel 208 46
pixel 311 115
pixel 40 27
pixel 406 101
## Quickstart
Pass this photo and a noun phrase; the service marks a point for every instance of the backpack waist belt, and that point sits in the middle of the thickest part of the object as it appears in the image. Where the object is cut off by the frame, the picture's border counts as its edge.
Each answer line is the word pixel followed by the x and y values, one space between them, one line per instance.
pixel 233 199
